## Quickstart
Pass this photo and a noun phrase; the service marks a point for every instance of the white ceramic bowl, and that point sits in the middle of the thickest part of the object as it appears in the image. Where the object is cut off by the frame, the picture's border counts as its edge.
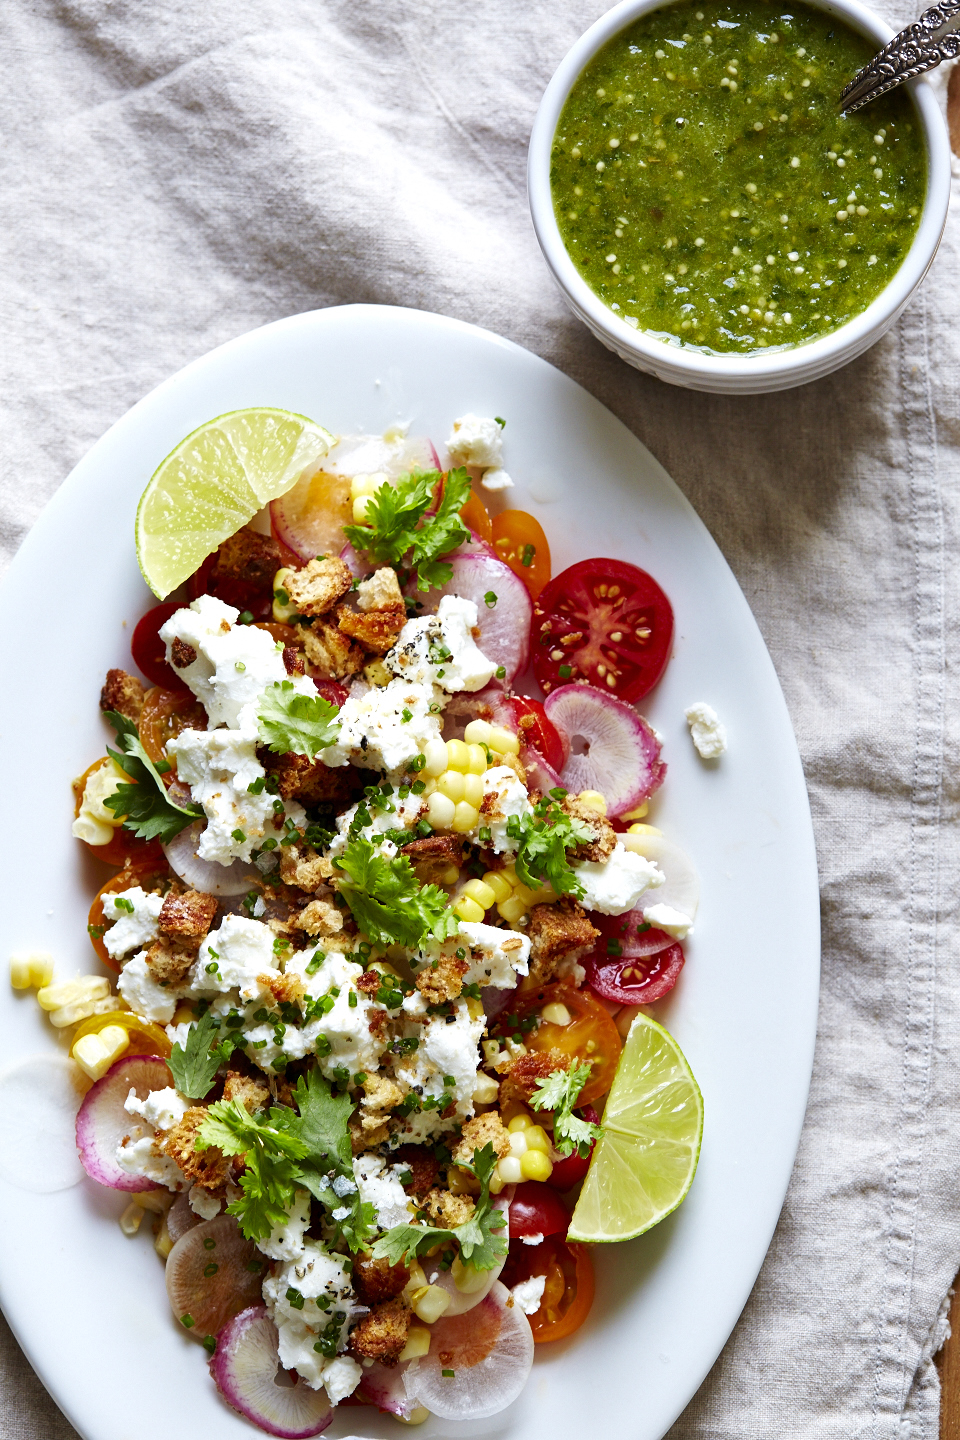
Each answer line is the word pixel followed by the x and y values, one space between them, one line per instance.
pixel 734 374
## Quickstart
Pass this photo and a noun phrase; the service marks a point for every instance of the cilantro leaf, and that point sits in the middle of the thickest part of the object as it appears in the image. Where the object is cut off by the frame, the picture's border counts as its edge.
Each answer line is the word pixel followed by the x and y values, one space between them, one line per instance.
pixel 149 811
pixel 291 723
pixel 544 837
pixel 397 530
pixel 270 1152
pixel 559 1093
pixel 475 1238
pixel 387 900
pixel 194 1065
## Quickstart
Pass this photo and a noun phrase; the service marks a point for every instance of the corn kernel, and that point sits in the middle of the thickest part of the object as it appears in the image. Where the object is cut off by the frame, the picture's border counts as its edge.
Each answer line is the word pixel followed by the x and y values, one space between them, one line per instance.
pixel 461 1182
pixel 509 873
pixel 593 800
pixel 534 1165
pixel 468 910
pixel 282 609
pixel 635 843
pixel 163 1244
pixel 509 1171
pixel 360 507
pixel 418 1343
pixel 435 757
pixel 476 759
pixel 81 1009
pixel 511 910
pixel 96 1053
pixel 451 783
pixel 159 1201
pixel 131 1219
pixel 466 818
pixel 624 1019
pixel 474 1007
pixel 440 811
pixel 376 673
pixel 366 484
pixel 451 875
pixel 478 732
pixel 473 790
pixel 503 741
pixel 417 1415
pixel 501 887
pixel 556 1013
pixel 481 892
pixel 430 1302
pixel 527 896
pixel 496 1184
pixel 545 895
pixel 644 830
pixel 537 1139
pixel 20 972
pixel 637 814
pixel 467 1279
pixel 458 755
pixel 70 992
pixel 518 1142
pixel 520 1121
pixel 41 969
pixel 491 1050
pixel 416 1280
pixel 486 1090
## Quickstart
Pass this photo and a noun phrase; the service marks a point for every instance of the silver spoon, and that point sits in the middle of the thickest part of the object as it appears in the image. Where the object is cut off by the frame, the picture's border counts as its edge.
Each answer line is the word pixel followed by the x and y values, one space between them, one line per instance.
pixel 921 46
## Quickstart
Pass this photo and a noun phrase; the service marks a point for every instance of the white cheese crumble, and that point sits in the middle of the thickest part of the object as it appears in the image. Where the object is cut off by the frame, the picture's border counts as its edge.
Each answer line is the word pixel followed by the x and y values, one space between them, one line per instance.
pixel 346 1027
pixel 140 1156
pixel 665 917
pixel 706 732
pixel 380 1187
pixel 440 649
pixel 242 952
pixel 234 663
pixel 497 479
pixel 445 1049
pixel 614 885
pixel 528 1294
pixel 131 930
pixel 476 440
pixel 315 1274
pixel 162 1108
pixel 144 995
pixel 495 957
pixel 504 796
pixel 374 733
pixel 403 816
pixel 285 1242
pixel 202 1203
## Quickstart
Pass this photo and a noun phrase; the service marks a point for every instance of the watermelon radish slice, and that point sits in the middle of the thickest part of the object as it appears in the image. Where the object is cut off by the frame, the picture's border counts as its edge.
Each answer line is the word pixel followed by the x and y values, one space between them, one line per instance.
pixel 180 1217
pixel 489 1350
pixel 102 1122
pixel 383 1386
pixel 612 748
pixel 681 883
pixel 212 1274
pixel 505 625
pixel 245 1366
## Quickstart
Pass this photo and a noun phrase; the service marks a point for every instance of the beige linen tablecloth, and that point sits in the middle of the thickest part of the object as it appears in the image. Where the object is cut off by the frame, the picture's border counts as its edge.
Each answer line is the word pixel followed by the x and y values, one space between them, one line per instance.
pixel 174 174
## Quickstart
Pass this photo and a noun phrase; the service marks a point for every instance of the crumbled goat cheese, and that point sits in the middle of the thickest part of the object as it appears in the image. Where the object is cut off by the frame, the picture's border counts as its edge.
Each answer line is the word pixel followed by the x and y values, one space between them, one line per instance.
pixel 706 732
pixel 445 1049
pixel 144 995
pixel 404 815
pixel 532 1239
pixel 496 957
pixel 285 1242
pixel 664 917
pixel 137 1154
pixel 374 733
pixel 313 1275
pixel 496 480
pixel 440 649
pixel 242 952
pixel 234 663
pixel 130 931
pixel 528 1294
pixel 346 1027
pixel 162 1108
pixel 380 1187
pixel 504 795
pixel 202 1203
pixel 614 885
pixel 476 440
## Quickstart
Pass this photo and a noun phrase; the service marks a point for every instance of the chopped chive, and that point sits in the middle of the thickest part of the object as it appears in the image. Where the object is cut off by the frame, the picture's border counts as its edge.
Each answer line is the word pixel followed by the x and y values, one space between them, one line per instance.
pixel 239 836
pixel 528 553
pixel 565 671
pixel 188 1321
pixel 490 599
pixel 239 665
pixel 211 1269
pixel 501 672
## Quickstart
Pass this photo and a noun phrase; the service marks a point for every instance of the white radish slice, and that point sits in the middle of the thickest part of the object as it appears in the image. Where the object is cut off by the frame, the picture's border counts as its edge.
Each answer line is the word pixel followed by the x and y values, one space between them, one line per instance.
pixel 540 775
pixel 383 1386
pixel 245 1366
pixel 180 1218
pixel 681 886
pixel 505 626
pixel 462 1300
pixel 205 875
pixel 212 1274
pixel 103 1124
pixel 489 1350
pixel 612 748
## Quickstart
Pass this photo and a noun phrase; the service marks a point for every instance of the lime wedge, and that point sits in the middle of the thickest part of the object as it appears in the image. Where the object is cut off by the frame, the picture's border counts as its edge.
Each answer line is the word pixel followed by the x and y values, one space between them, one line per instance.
pixel 214 482
pixel 646 1160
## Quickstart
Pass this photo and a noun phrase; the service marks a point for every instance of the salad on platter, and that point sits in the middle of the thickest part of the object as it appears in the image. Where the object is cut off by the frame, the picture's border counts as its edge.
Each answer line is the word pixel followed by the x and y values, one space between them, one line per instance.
pixel 384 918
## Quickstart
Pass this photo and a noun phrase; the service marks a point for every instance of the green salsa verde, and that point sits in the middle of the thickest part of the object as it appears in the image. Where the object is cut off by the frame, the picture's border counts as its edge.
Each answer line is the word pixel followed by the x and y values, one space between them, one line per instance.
pixel 710 192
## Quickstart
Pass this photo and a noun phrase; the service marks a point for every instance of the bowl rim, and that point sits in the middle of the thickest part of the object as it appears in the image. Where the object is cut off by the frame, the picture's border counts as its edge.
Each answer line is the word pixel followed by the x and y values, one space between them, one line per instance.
pixel 684 364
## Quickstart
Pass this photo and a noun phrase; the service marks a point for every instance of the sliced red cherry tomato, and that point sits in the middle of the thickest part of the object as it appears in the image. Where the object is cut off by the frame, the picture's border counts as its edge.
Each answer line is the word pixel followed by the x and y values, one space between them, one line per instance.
pixel 572 1168
pixel 537 731
pixel 590 1034
pixel 635 980
pixel 568 1289
pixel 536 1210
pixel 520 542
pixel 165 714
pixel 605 622
pixel 148 650
pixel 331 691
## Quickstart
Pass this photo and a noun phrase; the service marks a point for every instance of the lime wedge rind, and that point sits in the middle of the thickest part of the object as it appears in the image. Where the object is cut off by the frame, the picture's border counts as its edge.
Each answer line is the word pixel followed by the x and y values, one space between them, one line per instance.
pixel 214 481
pixel 644 1165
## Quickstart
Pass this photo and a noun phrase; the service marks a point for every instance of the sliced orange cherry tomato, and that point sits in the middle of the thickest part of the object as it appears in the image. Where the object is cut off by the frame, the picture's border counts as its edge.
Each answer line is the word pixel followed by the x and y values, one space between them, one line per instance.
pixel 145 869
pixel 519 541
pixel 123 845
pixel 568 1291
pixel 164 715
pixel 591 1034
pixel 145 1037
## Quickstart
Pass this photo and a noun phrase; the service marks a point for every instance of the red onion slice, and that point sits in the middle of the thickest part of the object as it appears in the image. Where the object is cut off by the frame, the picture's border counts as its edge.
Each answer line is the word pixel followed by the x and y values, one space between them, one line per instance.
pixel 490 1352
pixel 612 748
pixel 102 1122
pixel 504 626
pixel 206 875
pixel 211 1277
pixel 245 1366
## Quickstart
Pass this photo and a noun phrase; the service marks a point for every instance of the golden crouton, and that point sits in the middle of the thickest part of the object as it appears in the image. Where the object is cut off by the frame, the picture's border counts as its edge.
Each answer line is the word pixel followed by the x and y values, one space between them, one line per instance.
pixel 382 1334
pixel 332 654
pixel 423 1165
pixel 289 988
pixel 380 591
pixel 247 556
pixel 181 654
pixel 318 586
pixel 250 1093
pixel 169 960
pixel 432 856
pixel 445 1209
pixel 603 839
pixel 375 630
pixel 312 782
pixel 558 933
pixel 441 979
pixel 377 1280
pixel 300 865
pixel 207 1168
pixel 187 918
pixel 319 919
pixel 487 1129
pixel 123 693
pixel 526 1073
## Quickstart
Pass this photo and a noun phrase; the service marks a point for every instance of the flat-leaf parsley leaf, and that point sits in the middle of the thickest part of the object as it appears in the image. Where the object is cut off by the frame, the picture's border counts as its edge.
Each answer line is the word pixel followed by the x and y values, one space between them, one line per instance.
pixel 149 811
pixel 291 723
pixel 387 900
pixel 398 531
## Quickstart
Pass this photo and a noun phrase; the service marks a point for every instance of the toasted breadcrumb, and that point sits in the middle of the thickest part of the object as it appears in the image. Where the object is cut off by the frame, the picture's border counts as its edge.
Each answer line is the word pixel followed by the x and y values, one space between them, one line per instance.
pixel 445 1209
pixel 318 586
pixel 380 591
pixel 332 654
pixel 169 960
pixel 604 837
pixel 187 918
pixel 382 1334
pixel 375 630
pixel 123 693
pixel 248 556
pixel 559 934
pixel 250 1093
pixel 300 865
pixel 207 1168
pixel 287 988
pixel 433 855
pixel 441 979
pixel 320 918
pixel 377 1280
pixel 482 1130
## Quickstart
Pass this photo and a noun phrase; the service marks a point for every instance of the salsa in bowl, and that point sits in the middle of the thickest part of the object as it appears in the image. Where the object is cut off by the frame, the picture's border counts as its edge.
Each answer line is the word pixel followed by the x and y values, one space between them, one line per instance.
pixel 706 208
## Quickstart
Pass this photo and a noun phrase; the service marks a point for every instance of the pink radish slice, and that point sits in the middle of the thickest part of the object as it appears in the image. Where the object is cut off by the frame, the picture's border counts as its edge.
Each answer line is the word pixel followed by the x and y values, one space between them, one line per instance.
pixel 355 563
pixel 212 1274
pixel 489 704
pixel 102 1122
pixel 245 1366
pixel 505 626
pixel 460 1300
pixel 206 875
pixel 681 884
pixel 383 1386
pixel 489 1350
pixel 540 776
pixel 180 1218
pixel 612 748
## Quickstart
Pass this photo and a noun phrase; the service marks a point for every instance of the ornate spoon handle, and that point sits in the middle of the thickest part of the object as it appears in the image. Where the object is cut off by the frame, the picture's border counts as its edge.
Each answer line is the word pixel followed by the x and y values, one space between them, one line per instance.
pixel 921 46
